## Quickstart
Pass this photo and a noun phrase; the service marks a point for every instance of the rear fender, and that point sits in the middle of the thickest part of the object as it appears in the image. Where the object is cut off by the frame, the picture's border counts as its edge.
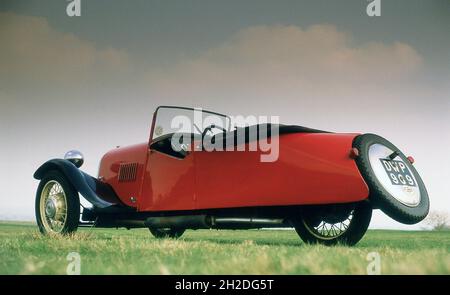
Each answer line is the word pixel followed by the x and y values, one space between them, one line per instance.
pixel 99 194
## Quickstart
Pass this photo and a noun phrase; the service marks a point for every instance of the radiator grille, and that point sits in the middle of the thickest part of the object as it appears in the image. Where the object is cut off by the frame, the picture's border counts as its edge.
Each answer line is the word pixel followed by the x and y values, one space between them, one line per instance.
pixel 127 172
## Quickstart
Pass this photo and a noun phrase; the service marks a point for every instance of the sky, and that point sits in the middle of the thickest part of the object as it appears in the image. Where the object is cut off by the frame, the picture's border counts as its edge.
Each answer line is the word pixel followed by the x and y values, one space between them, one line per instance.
pixel 92 82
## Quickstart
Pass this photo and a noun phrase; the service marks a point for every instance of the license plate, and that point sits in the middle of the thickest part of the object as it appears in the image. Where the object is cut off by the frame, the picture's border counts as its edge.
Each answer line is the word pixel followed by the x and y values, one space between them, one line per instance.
pixel 398 173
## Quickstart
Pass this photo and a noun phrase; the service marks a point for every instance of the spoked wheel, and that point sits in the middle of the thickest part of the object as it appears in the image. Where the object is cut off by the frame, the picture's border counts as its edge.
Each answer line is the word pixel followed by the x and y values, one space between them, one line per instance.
pixel 173 233
pixel 57 205
pixel 394 184
pixel 334 224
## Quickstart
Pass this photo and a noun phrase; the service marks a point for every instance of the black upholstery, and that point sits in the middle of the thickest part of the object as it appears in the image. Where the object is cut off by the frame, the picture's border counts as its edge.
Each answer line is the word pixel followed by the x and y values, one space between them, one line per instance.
pixel 266 130
pixel 163 144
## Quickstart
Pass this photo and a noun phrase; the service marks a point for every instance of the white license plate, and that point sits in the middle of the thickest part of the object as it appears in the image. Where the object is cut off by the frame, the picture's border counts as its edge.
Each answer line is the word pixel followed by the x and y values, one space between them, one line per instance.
pixel 398 172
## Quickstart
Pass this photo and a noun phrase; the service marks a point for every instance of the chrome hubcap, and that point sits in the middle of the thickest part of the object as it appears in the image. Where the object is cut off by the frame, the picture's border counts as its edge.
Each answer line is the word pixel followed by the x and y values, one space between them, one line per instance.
pixel 53 207
pixel 50 208
pixel 406 194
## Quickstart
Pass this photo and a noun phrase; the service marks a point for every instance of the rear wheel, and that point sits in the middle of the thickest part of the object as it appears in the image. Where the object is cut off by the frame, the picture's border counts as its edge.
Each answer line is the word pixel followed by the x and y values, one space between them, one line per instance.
pixel 57 205
pixel 173 233
pixel 334 224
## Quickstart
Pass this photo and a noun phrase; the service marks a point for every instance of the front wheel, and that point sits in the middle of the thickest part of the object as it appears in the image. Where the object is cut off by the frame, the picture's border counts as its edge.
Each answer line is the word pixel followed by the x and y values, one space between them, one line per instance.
pixel 334 224
pixel 173 233
pixel 57 205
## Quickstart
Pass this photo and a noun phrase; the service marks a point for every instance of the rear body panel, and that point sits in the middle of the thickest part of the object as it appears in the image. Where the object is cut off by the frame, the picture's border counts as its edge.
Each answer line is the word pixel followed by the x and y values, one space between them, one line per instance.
pixel 312 168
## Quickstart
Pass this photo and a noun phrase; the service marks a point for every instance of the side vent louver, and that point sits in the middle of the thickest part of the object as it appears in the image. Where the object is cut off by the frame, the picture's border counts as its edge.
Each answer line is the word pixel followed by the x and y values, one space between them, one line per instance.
pixel 127 172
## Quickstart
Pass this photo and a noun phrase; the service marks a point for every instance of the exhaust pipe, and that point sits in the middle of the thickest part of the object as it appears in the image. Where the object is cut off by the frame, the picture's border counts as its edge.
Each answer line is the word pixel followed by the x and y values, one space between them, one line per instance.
pixel 206 222
pixel 245 223
pixel 188 221
pixel 111 223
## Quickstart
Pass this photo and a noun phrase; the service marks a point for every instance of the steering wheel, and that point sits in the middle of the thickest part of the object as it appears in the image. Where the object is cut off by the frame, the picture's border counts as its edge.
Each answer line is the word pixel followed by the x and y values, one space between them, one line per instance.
pixel 179 147
pixel 210 127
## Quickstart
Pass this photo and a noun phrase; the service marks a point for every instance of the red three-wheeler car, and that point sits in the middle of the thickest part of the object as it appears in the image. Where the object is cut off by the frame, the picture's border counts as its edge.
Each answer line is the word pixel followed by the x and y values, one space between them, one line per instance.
pixel 207 173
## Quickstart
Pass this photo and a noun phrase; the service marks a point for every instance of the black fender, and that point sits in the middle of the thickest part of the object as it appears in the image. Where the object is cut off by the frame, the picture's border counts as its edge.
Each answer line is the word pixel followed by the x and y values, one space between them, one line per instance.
pixel 100 194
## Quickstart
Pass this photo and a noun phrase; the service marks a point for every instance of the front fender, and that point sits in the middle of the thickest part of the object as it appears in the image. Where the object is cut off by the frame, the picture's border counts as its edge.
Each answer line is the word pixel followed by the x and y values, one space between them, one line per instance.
pixel 86 185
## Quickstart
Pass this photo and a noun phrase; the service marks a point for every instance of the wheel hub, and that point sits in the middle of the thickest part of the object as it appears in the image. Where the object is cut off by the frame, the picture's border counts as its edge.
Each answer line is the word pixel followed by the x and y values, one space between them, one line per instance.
pixel 50 208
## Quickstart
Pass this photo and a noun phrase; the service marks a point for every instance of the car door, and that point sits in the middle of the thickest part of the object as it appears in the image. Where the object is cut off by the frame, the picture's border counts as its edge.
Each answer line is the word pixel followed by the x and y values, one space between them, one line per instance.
pixel 169 178
pixel 168 182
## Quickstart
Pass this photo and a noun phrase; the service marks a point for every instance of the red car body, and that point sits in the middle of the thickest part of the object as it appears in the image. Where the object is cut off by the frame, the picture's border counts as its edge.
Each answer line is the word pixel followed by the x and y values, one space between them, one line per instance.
pixel 312 168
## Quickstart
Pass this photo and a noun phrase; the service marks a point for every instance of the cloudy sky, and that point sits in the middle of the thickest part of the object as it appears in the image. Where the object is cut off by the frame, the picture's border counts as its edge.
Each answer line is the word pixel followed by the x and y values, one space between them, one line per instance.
pixel 92 82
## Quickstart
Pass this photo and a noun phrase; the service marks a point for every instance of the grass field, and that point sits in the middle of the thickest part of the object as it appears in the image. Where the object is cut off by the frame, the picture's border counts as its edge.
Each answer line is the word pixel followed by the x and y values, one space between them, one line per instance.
pixel 109 251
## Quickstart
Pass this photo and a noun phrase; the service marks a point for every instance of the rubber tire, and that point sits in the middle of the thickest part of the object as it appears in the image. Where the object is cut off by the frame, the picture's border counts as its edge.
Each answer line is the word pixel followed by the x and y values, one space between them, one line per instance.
pixel 357 228
pixel 379 197
pixel 173 233
pixel 73 202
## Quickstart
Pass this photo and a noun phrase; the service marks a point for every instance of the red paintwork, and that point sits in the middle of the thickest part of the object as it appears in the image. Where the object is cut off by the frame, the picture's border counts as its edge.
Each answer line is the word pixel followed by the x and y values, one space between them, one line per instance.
pixel 169 183
pixel 312 168
pixel 109 169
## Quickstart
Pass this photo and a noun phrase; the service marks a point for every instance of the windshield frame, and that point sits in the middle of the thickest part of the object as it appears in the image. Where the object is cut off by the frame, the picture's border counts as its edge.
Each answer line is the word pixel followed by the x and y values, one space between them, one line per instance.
pixel 155 114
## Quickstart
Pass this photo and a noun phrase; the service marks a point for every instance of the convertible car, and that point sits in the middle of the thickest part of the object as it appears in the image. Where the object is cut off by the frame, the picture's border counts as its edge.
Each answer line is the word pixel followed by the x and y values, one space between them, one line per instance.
pixel 323 184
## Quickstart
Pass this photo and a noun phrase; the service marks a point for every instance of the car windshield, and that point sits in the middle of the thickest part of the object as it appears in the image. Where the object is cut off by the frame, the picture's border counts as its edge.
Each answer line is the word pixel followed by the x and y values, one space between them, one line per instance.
pixel 170 120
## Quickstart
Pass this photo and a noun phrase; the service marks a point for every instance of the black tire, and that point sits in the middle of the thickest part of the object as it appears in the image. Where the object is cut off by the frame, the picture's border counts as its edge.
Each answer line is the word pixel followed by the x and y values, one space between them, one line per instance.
pixel 172 233
pixel 72 199
pixel 380 197
pixel 357 226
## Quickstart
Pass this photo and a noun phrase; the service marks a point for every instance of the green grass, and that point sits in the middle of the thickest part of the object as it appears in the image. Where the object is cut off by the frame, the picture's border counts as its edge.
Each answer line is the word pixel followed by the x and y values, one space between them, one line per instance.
pixel 109 251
